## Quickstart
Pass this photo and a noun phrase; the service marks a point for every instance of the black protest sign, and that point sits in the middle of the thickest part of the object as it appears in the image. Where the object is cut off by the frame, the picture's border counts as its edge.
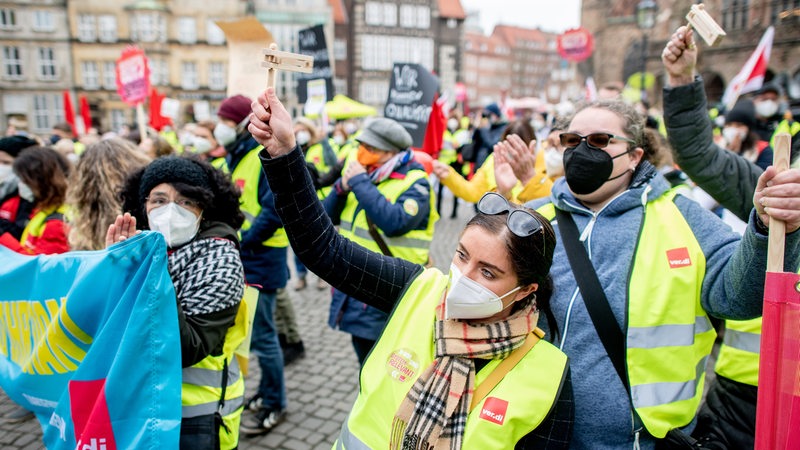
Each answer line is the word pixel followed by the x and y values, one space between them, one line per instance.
pixel 312 43
pixel 411 94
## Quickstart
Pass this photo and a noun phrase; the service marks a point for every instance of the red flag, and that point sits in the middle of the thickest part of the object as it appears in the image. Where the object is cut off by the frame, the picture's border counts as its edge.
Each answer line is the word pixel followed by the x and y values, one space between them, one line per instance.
pixel 434 133
pixel 85 113
pixel 157 121
pixel 778 407
pixel 69 112
pixel 751 77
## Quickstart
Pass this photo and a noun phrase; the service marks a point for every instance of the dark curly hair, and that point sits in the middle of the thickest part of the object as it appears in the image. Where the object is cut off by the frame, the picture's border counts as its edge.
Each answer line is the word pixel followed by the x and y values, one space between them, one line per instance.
pixel 220 203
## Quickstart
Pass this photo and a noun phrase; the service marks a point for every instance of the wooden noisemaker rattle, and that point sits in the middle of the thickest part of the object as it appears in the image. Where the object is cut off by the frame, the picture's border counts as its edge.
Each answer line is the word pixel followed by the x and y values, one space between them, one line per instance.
pixel 294 62
pixel 705 25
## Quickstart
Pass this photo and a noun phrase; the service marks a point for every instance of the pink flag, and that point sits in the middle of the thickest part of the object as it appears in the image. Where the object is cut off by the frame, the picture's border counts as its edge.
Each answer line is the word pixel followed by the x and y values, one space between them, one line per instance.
pixel 751 77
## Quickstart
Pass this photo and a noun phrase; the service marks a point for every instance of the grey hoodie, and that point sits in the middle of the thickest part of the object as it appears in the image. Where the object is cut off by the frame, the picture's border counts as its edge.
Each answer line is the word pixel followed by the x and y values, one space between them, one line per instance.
pixel 732 289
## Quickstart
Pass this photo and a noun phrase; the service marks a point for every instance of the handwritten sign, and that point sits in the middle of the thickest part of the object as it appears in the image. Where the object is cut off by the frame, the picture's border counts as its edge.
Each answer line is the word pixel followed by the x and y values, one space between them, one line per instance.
pixel 411 94
pixel 133 76
pixel 312 43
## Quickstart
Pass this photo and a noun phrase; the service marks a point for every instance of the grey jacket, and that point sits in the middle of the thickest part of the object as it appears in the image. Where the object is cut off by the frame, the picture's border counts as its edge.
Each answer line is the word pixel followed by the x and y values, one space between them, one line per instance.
pixel 727 177
pixel 733 288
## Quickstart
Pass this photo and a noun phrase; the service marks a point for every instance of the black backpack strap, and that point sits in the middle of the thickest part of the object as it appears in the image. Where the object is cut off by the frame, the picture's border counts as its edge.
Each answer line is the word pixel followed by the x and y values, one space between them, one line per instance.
pixel 594 298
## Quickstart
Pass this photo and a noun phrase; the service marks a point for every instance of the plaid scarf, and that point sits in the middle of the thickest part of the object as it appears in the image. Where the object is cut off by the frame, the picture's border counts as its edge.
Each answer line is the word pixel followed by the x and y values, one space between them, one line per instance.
pixel 434 413
pixel 386 169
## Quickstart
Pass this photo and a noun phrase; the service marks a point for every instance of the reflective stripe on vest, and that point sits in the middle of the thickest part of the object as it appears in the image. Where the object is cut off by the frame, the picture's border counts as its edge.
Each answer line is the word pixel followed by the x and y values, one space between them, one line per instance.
pixel 740 350
pixel 246 175
pixel 784 127
pixel 35 226
pixel 515 406
pixel 202 383
pixel 414 245
pixel 668 335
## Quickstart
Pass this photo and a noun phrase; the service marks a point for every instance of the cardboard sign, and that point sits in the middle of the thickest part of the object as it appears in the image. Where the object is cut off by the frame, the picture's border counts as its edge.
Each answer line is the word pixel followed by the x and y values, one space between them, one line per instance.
pixel 171 108
pixel 317 95
pixel 411 94
pixel 312 43
pixel 133 76
pixel 245 37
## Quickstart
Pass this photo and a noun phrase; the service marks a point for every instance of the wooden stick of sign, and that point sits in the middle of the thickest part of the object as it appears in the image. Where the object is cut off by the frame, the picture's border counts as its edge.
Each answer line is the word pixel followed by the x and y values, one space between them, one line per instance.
pixel 293 62
pixel 705 25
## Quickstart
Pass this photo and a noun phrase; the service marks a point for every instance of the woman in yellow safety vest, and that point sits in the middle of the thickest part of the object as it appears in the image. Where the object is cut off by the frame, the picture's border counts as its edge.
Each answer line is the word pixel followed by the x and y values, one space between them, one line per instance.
pixel 518 179
pixel 196 208
pixel 460 362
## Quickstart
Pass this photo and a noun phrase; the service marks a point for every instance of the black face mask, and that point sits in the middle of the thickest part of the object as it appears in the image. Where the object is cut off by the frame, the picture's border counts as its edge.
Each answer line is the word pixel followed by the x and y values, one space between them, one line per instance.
pixel 54 138
pixel 586 168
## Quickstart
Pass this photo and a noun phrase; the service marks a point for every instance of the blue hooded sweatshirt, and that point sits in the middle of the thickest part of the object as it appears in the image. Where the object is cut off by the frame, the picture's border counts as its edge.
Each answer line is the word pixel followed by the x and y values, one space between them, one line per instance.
pixel 733 288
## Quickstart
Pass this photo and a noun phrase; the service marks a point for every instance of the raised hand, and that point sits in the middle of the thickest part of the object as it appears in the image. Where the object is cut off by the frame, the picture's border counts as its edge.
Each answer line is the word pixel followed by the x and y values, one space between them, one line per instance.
pixel 122 228
pixel 503 172
pixel 680 56
pixel 441 169
pixel 521 157
pixel 271 125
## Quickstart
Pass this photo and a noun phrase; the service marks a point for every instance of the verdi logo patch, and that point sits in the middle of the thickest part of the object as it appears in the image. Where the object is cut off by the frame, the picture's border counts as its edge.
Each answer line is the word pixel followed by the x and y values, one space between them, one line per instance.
pixel 678 257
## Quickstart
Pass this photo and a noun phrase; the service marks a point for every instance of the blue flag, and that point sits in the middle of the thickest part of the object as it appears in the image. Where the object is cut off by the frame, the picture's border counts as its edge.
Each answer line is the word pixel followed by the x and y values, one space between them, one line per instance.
pixel 89 341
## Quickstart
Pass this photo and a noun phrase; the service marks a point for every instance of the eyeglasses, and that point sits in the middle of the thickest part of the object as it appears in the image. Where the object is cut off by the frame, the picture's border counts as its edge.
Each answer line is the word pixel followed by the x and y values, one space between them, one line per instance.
pixel 521 222
pixel 595 140
pixel 160 200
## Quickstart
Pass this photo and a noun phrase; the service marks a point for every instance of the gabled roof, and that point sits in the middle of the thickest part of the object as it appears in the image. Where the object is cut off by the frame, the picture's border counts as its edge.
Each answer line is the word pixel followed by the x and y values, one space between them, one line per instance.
pixel 512 35
pixel 338 11
pixel 451 9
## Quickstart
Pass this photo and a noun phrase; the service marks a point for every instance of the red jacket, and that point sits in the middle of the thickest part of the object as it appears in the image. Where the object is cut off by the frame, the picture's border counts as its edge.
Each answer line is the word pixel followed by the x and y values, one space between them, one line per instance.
pixel 47 238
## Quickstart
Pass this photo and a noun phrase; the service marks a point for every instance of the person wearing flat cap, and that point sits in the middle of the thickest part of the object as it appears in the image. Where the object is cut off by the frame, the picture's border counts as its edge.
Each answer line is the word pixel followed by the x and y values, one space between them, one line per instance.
pixel 384 202
pixel 196 208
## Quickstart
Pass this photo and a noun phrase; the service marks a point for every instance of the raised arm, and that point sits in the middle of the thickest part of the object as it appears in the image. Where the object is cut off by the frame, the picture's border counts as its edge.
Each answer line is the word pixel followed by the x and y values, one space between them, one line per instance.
pixel 377 279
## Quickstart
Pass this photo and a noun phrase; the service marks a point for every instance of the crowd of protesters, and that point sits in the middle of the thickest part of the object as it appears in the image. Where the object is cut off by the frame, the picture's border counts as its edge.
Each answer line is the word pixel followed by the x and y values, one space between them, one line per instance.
pixel 591 311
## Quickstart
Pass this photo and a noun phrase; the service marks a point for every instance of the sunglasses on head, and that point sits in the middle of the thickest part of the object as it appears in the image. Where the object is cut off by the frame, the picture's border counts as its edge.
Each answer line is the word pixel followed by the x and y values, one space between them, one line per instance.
pixel 520 222
pixel 595 140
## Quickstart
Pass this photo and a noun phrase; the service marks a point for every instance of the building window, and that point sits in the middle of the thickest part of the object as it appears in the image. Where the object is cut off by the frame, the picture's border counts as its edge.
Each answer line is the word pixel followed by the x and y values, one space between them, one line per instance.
pixel 407 16
pixel 110 75
pixel 143 27
pixel 373 92
pixel 373 13
pixel 216 75
pixel 214 34
pixel 187 30
pixel 380 52
pixel 189 75
pixel 91 77
pixel 43 20
pixel 118 119
pixel 423 17
pixel 8 18
pixel 108 28
pixel 389 14
pixel 41 116
pixel 12 60
pixel 158 72
pixel 47 64
pixel 734 15
pixel 452 23
pixel 339 49
pixel 86 29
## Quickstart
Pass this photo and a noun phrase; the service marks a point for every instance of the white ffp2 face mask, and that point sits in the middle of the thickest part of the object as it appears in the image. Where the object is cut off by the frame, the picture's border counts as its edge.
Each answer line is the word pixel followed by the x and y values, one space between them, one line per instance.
pixel 553 162
pixel 25 192
pixel 224 134
pixel 177 224
pixel 468 299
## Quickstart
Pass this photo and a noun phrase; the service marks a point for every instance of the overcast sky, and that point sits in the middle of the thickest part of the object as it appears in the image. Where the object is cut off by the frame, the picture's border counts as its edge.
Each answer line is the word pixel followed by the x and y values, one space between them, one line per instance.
pixel 549 15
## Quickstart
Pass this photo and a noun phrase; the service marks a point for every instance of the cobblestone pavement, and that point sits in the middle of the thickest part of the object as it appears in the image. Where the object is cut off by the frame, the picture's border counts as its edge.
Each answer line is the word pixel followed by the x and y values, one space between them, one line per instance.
pixel 320 388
